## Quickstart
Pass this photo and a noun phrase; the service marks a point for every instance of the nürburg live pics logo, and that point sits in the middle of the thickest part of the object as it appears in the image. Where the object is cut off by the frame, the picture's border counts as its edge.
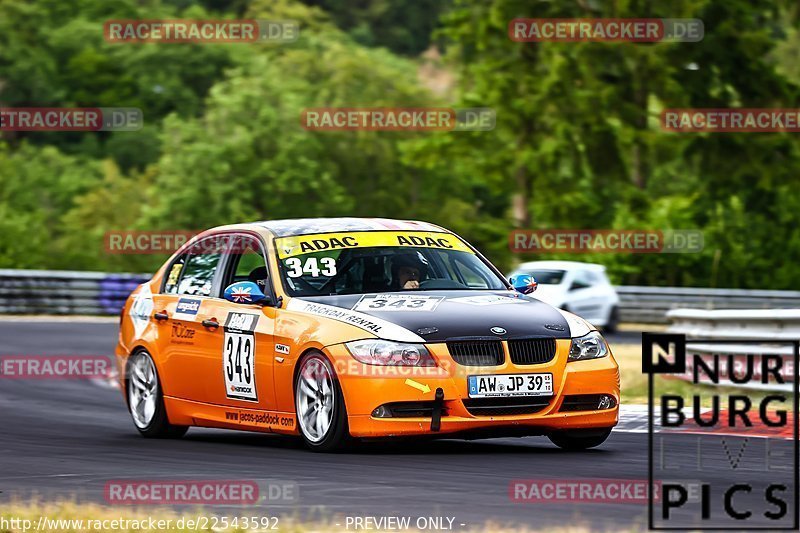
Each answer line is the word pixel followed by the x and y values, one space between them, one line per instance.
pixel 722 433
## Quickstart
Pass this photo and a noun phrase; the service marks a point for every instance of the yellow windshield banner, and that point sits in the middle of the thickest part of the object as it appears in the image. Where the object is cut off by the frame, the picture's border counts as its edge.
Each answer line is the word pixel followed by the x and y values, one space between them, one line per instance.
pixel 306 244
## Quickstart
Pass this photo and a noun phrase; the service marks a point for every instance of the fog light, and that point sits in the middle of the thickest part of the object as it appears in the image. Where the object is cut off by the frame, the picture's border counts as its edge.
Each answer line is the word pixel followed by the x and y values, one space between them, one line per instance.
pixel 381 412
pixel 606 402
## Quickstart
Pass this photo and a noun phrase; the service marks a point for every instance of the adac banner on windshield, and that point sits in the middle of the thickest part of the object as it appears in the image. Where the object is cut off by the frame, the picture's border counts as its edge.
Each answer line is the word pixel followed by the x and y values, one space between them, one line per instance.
pixel 321 242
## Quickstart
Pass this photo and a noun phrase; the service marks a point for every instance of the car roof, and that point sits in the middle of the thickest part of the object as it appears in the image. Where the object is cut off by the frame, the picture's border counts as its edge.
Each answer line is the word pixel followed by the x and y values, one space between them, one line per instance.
pixel 561 265
pixel 307 226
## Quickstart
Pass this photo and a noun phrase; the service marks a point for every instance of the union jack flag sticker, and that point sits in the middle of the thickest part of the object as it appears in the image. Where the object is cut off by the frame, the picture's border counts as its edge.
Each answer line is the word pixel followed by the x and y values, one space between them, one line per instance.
pixel 242 294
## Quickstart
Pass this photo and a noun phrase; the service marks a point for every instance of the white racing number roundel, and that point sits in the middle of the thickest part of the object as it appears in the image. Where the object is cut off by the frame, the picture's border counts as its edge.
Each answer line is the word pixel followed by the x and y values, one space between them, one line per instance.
pixel 239 354
pixel 397 302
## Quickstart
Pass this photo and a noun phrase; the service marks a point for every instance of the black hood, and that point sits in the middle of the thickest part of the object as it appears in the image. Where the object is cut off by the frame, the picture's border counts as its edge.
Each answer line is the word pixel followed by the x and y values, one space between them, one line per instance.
pixel 467 313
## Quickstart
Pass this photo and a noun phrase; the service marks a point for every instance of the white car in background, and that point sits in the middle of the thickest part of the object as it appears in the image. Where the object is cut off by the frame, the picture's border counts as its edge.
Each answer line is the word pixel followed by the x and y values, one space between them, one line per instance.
pixel 580 288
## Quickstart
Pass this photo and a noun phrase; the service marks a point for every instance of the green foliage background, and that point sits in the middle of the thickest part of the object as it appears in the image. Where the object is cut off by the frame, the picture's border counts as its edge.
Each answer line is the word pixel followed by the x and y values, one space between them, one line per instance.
pixel 577 142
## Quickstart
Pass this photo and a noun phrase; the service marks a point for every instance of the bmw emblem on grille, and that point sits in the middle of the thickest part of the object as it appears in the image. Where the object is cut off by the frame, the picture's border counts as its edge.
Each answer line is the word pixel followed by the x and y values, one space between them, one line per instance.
pixel 497 330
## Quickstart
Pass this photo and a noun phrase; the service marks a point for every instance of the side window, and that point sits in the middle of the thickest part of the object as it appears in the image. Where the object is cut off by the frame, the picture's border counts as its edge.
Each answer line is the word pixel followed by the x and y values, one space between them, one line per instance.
pixel 174 275
pixel 198 273
pixel 250 264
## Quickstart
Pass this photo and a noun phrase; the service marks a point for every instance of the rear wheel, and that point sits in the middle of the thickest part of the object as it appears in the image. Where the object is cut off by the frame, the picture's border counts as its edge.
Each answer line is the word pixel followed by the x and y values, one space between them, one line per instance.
pixel 321 414
pixel 580 439
pixel 146 401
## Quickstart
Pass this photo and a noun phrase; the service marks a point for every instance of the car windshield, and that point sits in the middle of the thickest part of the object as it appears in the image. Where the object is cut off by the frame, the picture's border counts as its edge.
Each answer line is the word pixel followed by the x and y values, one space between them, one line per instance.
pixel 345 265
pixel 547 277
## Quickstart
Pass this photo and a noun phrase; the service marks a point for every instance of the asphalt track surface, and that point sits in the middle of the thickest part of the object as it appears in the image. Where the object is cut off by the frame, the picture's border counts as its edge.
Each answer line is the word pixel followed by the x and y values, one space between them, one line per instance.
pixel 67 438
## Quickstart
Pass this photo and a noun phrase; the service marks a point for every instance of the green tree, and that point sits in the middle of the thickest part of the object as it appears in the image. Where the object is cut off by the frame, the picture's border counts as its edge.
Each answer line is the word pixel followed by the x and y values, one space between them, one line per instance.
pixel 53 54
pixel 37 186
pixel 248 157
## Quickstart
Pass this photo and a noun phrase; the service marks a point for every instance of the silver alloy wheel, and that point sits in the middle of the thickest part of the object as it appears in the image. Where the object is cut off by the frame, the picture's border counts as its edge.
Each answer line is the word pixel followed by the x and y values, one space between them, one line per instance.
pixel 314 397
pixel 143 390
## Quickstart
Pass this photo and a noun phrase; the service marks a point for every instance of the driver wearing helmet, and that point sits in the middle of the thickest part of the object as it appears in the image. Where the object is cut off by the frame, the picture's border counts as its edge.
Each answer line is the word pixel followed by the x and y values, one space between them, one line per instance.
pixel 408 270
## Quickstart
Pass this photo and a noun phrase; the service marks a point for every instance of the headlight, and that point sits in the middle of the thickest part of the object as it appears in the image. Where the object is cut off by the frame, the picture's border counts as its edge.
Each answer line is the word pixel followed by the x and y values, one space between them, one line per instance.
pixel 388 353
pixel 589 346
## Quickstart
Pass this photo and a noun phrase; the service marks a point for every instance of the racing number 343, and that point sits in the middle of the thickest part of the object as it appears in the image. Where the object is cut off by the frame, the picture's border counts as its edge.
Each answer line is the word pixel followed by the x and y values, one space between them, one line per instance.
pixel 239 367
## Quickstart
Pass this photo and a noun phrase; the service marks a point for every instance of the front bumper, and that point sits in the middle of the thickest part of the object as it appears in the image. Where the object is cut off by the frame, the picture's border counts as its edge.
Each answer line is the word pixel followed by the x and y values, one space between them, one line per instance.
pixel 367 387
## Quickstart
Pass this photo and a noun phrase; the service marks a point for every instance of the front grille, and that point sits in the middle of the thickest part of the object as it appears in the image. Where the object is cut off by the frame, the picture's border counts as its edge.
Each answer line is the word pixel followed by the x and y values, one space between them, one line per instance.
pixel 532 351
pixel 476 352
pixel 506 406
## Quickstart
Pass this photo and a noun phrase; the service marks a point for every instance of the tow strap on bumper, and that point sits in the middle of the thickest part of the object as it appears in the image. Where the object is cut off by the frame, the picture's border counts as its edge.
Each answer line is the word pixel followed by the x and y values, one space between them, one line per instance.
pixel 438 402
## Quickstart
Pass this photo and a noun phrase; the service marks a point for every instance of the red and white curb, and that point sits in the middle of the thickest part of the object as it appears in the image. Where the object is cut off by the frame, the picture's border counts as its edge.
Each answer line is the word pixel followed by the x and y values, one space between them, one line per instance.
pixel 633 419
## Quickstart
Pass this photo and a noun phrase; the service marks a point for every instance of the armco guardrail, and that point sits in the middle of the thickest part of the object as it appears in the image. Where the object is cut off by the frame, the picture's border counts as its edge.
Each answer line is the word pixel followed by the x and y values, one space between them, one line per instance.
pixel 775 327
pixel 773 324
pixel 651 304
pixel 59 292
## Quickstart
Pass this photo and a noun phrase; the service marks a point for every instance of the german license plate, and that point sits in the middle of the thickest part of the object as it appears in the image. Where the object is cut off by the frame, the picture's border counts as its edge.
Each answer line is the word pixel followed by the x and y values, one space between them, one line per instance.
pixel 504 385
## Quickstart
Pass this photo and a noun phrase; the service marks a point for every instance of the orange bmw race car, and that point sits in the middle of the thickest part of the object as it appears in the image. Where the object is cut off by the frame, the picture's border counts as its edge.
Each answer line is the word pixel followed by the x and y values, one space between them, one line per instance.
pixel 355 328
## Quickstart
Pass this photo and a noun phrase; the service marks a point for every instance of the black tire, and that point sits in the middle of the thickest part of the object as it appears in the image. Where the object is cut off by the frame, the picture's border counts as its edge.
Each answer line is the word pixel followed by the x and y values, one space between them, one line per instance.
pixel 579 439
pixel 159 426
pixel 613 321
pixel 337 437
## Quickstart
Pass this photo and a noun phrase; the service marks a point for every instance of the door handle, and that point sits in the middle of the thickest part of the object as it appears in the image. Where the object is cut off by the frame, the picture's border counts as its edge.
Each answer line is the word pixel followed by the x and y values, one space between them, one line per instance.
pixel 161 315
pixel 212 324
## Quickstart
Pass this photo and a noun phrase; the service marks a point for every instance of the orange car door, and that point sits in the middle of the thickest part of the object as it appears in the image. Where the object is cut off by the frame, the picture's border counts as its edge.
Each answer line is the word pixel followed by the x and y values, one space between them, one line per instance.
pixel 189 330
pixel 245 358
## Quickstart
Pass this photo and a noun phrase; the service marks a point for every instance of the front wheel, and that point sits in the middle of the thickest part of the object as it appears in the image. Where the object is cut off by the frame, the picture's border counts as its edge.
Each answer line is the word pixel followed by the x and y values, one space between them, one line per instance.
pixel 146 401
pixel 580 439
pixel 321 413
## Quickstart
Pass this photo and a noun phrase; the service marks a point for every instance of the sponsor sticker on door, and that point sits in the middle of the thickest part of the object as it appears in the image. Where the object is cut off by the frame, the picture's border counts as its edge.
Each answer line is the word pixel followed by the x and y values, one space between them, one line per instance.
pixel 188 307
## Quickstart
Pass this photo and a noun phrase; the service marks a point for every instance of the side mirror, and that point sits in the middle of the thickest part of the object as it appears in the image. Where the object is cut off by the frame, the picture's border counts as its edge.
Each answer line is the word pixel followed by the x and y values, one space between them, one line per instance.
pixel 245 292
pixel 523 283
